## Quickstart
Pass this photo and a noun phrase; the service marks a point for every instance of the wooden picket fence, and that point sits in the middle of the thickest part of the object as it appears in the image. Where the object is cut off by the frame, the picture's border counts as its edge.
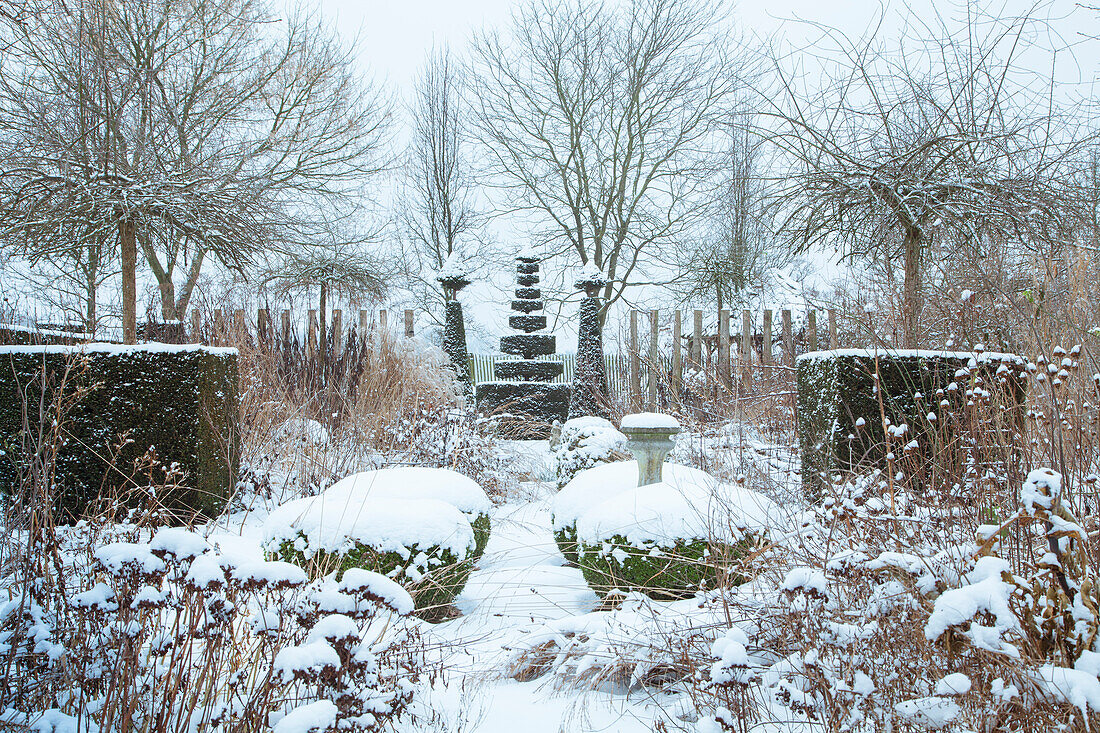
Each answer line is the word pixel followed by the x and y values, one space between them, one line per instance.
pixel 642 377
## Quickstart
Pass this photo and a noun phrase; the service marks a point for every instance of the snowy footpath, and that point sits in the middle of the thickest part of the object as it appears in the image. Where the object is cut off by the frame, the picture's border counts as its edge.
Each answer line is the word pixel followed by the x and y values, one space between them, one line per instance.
pixel 520 583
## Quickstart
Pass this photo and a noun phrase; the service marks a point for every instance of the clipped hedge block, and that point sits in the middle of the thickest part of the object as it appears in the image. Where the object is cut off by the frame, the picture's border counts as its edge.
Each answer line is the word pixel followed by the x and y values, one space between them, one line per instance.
pixel 527 370
pixel 531 409
pixel 529 345
pixel 527 306
pixel 527 268
pixel 528 293
pixel 528 323
pixel 527 280
pixel 180 400
pixel 839 418
pixel 12 335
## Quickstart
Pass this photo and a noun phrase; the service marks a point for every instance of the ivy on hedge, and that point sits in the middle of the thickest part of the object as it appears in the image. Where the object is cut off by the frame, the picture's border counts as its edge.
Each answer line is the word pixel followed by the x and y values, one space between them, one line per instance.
pixel 675 569
pixel 182 401
pixel 432 575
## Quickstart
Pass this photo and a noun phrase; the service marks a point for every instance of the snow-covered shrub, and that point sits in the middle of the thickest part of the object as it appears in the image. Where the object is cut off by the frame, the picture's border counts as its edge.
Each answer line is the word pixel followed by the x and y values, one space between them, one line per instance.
pixel 180 400
pixel 425 545
pixel 421 482
pixel 585 442
pixel 666 540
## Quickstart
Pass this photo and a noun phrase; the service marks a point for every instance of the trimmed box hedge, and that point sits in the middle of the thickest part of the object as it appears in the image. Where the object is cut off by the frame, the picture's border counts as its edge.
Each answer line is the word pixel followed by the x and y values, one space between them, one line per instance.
pixel 839 418
pixel 532 407
pixel 527 306
pixel 528 323
pixel 181 400
pixel 529 345
pixel 528 370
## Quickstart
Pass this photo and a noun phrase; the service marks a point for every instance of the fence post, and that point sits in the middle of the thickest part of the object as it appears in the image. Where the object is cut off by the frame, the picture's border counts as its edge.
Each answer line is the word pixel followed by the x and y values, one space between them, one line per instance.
pixel 811 326
pixel 196 326
pixel 240 326
pixel 311 346
pixel 383 318
pixel 654 361
pixel 724 348
pixel 746 350
pixel 635 368
pixel 286 328
pixel 409 333
pixel 788 339
pixel 832 330
pixel 219 327
pixel 263 327
pixel 697 340
pixel 364 322
pixel 766 345
pixel 677 363
pixel 337 330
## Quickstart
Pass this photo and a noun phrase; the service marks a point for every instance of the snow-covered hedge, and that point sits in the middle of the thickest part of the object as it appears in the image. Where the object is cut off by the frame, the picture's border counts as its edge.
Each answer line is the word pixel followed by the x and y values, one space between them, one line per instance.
pixel 584 443
pixel 839 416
pixel 425 544
pixel 180 400
pixel 665 539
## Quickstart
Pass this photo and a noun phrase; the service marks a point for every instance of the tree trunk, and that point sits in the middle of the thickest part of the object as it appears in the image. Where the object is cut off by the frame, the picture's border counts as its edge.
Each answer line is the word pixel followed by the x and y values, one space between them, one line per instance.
pixel 128 256
pixel 322 340
pixel 911 297
pixel 91 275
pixel 168 300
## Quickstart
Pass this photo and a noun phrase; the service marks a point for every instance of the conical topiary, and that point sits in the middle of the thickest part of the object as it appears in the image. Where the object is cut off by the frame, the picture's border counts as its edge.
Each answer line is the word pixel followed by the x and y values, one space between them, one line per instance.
pixel 453 277
pixel 589 395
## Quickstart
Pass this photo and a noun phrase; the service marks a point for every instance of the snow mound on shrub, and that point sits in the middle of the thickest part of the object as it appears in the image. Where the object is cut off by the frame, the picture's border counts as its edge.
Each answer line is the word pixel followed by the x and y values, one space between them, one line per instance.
pixel 600 484
pixel 688 506
pixel 340 517
pixel 417 482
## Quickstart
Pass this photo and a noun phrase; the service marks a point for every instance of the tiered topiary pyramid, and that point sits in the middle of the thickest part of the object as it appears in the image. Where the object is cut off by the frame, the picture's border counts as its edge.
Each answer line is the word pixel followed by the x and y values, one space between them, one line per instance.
pixel 524 391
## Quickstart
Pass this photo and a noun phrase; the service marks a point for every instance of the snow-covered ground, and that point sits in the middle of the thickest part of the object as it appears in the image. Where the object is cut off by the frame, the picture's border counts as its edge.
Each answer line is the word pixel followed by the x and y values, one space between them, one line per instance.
pixel 518 586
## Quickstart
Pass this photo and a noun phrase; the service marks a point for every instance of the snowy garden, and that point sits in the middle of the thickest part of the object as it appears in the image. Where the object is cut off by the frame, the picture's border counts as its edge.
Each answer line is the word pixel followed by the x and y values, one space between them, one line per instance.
pixel 725 399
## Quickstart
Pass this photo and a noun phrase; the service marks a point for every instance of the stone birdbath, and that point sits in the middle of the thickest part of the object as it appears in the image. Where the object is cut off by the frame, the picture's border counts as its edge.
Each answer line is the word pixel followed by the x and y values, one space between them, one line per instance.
pixel 650 440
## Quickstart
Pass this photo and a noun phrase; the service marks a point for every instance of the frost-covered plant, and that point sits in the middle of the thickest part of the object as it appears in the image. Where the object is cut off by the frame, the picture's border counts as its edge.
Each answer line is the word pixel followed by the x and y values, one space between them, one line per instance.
pixel 172 635
pixel 584 443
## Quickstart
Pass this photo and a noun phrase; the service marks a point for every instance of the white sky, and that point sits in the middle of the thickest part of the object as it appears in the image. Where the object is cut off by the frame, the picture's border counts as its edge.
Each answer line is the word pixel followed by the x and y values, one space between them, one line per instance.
pixel 395 36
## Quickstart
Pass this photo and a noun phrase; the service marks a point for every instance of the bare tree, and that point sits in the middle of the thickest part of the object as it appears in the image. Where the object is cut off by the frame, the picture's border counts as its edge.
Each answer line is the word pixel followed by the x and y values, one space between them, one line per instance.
pixel 735 248
pixel 177 129
pixel 948 137
pixel 438 211
pixel 601 120
pixel 341 269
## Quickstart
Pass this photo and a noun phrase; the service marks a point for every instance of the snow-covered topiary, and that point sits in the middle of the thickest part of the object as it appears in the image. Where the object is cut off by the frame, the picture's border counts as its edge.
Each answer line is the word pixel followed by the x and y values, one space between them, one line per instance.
pixel 424 544
pixel 423 482
pixel 584 443
pixel 664 539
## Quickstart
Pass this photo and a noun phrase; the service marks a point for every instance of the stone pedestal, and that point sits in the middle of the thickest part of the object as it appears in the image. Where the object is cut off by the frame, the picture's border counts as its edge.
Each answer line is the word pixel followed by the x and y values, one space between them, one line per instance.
pixel 650 445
